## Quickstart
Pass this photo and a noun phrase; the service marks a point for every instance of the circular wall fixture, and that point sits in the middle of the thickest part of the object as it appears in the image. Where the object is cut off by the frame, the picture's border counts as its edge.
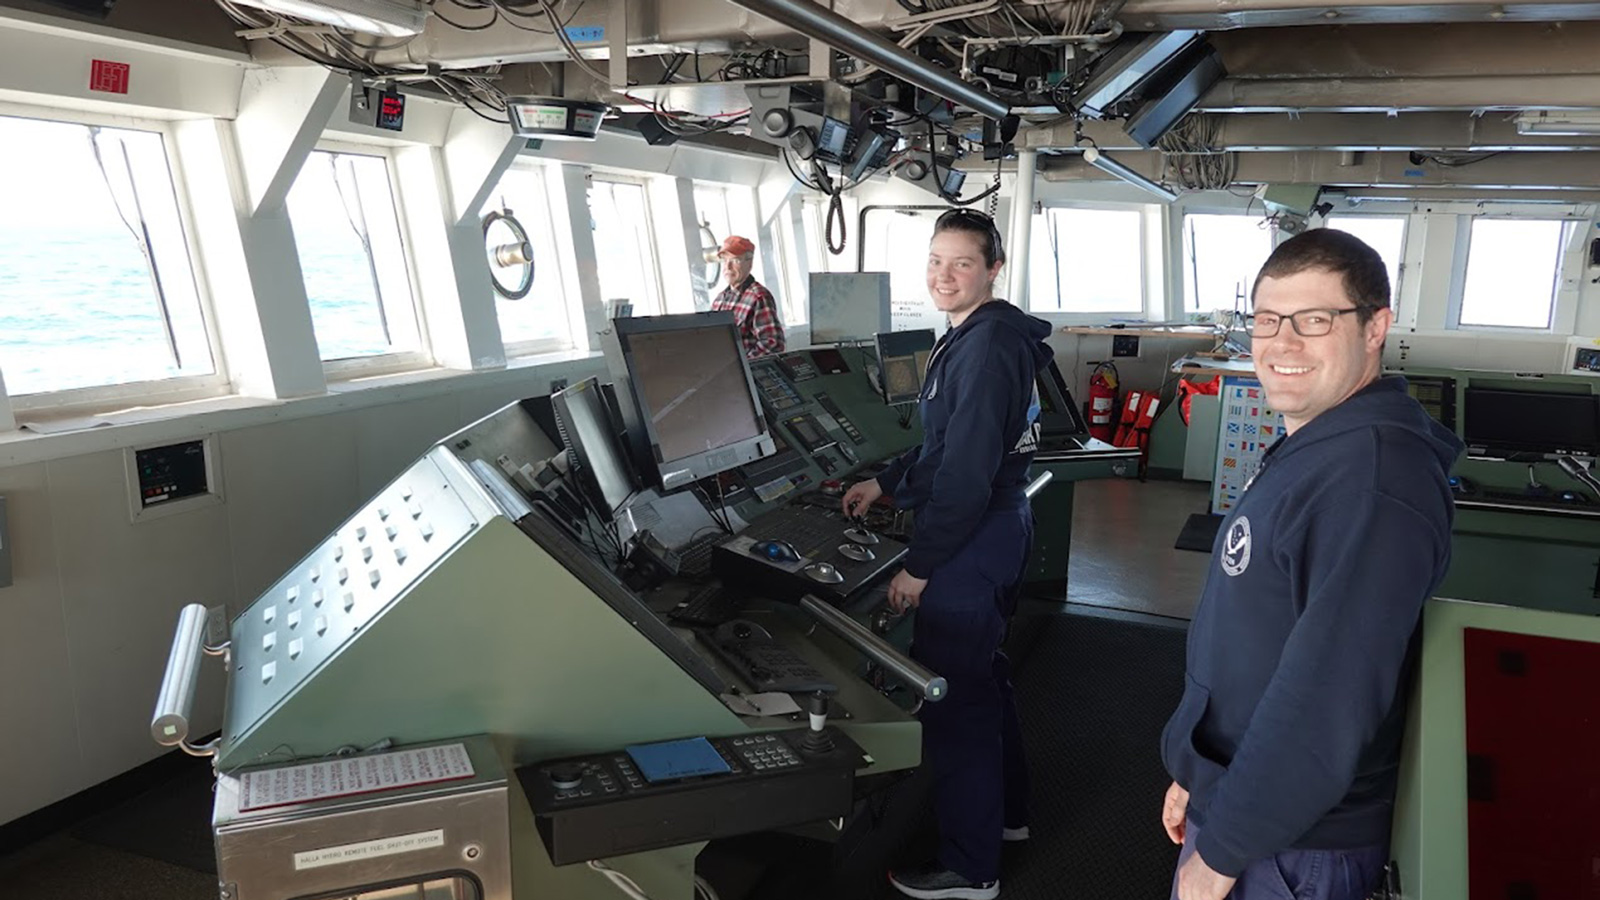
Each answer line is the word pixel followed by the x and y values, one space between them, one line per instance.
pixel 506 245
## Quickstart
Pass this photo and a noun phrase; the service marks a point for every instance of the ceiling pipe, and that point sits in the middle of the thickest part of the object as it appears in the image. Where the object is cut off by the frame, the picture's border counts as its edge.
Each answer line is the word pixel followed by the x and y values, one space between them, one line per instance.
pixel 836 31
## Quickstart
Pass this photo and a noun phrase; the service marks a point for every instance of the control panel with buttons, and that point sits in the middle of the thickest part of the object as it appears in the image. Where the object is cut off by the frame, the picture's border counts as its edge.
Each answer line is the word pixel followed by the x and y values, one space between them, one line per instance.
pixel 609 804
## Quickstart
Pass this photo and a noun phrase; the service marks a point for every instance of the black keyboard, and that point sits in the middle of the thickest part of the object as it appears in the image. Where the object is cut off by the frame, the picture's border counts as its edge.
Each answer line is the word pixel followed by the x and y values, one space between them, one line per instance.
pixel 1540 501
pixel 694 558
pixel 812 535
pixel 762 662
pixel 711 605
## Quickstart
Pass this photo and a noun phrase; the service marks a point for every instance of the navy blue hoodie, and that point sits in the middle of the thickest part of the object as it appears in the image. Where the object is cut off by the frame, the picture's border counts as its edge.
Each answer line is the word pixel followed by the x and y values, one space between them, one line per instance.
pixel 1294 702
pixel 980 430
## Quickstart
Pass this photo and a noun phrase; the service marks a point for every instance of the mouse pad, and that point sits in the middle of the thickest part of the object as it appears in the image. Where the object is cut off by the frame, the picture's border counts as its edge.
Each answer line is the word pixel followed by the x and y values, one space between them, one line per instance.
pixel 671 760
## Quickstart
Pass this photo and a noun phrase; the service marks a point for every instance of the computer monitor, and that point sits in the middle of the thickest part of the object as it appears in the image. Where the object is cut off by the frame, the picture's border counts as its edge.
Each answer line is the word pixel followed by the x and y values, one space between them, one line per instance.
pixel 689 399
pixel 584 422
pixel 1058 415
pixel 1532 421
pixel 849 306
pixel 903 363
pixel 1437 396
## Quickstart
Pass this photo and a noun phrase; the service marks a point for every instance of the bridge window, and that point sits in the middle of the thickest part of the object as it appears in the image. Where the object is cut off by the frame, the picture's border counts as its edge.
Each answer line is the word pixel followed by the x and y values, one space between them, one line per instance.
pixel 1513 267
pixel 1385 234
pixel 357 277
pixel 720 211
pixel 1221 256
pixel 897 242
pixel 96 284
pixel 540 320
pixel 1086 260
pixel 624 250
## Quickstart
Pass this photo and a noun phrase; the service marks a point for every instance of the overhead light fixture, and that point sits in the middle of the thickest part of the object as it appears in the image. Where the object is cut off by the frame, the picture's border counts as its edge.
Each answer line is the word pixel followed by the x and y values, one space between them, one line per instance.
pixel 388 18
pixel 1559 122
pixel 1094 157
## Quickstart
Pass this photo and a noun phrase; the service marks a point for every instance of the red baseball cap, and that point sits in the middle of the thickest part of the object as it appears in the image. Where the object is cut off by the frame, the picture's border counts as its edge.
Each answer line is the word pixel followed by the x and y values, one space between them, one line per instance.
pixel 736 246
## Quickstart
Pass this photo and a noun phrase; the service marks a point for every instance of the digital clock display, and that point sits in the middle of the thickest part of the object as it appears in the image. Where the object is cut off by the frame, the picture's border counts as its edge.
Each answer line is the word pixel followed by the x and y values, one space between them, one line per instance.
pixel 391 110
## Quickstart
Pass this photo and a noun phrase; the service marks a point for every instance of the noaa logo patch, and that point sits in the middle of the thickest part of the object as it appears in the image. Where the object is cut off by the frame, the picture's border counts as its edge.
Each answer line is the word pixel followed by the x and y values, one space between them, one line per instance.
pixel 1236 547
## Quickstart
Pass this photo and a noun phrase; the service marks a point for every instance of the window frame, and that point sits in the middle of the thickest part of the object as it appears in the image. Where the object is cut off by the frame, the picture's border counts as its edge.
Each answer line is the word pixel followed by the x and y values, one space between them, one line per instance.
pixel 1149 281
pixel 180 388
pixel 1562 310
pixel 787 237
pixel 350 369
pixel 653 269
pixel 571 299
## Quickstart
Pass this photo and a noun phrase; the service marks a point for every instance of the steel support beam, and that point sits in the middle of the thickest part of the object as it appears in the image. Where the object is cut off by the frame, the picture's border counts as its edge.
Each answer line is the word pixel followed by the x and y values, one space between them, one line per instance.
pixel 836 31
pixel 1424 131
pixel 1464 92
pixel 1020 239
pixel 1411 50
pixel 1525 170
pixel 1217 15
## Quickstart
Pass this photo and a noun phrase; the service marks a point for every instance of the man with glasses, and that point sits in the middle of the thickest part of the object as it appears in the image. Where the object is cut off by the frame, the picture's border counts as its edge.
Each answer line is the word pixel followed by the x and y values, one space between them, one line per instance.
pixel 1285 748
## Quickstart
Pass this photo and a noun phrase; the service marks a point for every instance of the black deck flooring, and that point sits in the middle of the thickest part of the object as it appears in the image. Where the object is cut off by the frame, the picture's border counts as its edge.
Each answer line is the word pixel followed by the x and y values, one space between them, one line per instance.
pixel 1093 690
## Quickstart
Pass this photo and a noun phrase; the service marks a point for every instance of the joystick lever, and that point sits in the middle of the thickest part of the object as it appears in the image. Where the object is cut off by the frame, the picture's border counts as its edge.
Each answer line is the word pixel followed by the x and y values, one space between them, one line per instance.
pixel 817 740
pixel 859 533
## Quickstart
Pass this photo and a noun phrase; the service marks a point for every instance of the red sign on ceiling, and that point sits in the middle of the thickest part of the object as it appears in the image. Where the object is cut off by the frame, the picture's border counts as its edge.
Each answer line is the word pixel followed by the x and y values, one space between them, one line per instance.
pixel 111 77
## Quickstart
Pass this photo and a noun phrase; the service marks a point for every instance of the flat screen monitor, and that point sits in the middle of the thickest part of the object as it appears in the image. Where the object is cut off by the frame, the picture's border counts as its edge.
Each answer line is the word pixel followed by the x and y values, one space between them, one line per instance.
pixel 587 429
pixel 849 306
pixel 903 363
pixel 1532 421
pixel 1058 415
pixel 692 401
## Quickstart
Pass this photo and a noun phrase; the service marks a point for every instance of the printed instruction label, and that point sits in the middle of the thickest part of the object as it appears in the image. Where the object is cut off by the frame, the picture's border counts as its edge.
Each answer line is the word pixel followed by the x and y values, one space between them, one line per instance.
pixel 349 853
pixel 353 775
pixel 544 118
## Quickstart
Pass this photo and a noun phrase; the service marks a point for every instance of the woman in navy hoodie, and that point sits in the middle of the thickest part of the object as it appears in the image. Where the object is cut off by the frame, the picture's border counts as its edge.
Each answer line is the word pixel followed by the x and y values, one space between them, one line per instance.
pixel 965 482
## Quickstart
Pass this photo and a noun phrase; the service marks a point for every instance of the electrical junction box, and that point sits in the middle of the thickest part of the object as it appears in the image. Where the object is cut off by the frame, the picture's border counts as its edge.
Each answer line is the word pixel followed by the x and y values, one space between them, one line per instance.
pixel 1583 356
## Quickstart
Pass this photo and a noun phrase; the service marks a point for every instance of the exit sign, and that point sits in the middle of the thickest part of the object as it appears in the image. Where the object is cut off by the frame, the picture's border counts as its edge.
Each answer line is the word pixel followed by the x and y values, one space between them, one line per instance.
pixel 110 77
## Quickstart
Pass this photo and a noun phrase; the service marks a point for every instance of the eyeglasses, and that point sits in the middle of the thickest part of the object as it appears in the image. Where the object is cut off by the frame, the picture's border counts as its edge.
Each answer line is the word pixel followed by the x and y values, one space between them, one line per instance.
pixel 1306 322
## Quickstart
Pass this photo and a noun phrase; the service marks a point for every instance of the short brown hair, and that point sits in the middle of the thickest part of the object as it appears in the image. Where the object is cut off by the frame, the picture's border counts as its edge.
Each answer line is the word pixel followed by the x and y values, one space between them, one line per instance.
pixel 1359 267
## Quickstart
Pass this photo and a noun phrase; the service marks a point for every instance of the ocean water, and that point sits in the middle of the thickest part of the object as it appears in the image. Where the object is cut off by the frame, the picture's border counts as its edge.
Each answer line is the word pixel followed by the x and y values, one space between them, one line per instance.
pixel 77 309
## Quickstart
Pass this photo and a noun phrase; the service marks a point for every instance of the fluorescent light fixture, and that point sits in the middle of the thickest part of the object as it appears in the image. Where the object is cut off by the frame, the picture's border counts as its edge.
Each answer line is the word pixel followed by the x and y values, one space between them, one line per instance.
pixel 1094 157
pixel 1556 121
pixel 389 18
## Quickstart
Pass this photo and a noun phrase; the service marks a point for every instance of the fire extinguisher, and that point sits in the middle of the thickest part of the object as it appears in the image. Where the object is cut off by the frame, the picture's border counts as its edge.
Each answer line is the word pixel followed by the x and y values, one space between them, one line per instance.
pixel 1102 403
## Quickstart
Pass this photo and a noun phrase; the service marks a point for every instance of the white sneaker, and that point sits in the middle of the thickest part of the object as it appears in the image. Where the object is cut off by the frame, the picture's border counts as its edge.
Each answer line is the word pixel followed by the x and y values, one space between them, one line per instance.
pixel 1012 835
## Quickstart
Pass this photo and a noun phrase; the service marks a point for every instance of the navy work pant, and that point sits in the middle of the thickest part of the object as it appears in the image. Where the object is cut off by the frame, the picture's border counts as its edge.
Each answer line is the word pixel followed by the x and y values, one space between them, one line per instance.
pixel 972 739
pixel 1302 874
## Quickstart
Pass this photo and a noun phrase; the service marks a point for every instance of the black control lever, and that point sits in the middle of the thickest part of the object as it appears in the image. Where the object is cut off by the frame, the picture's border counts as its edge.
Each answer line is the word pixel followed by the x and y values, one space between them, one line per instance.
pixel 859 533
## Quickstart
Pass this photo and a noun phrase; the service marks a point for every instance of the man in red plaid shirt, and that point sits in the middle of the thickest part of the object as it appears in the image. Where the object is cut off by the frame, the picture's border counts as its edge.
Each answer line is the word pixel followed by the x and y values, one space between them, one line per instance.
pixel 754 310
